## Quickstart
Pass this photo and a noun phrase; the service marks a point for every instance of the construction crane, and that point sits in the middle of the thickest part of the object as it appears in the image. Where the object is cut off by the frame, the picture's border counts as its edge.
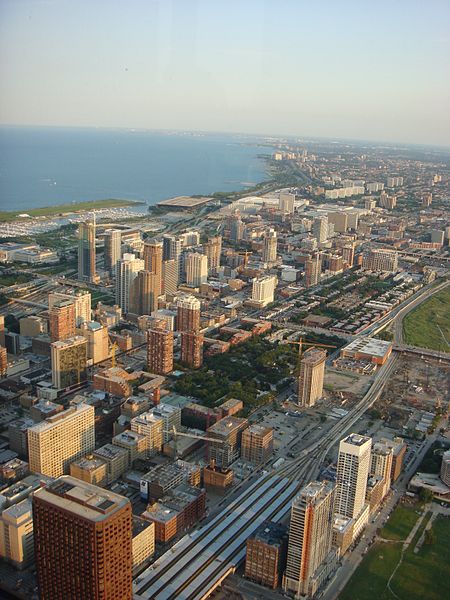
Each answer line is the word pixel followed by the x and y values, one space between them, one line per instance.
pixel 114 347
pixel 301 344
pixel 174 431
pixel 245 254
pixel 200 438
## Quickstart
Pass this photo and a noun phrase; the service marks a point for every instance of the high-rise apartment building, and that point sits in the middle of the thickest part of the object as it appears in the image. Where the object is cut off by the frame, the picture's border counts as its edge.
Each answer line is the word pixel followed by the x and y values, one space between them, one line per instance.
pixel 310 380
pixel 257 444
pixel 213 250
pixel 146 291
pixel 83 542
pixel 160 351
pixel 339 220
pixel 81 300
pixel 263 289
pixel 153 258
pixel 61 439
pixel 313 269
pixel 170 276
pixel 113 249
pixel 445 468
pixel 190 238
pixel 237 228
pixel 86 251
pixel 3 361
pixel 171 418
pixel 188 314
pixel 286 202
pixel 68 358
pixel 152 426
pixel 348 254
pixel 171 247
pixel 192 349
pixel 382 260
pixel 62 320
pixel 126 290
pixel 310 535
pixel 196 266
pixel 381 464
pixel 352 471
pixel 269 253
pixel 97 339
pixel 320 229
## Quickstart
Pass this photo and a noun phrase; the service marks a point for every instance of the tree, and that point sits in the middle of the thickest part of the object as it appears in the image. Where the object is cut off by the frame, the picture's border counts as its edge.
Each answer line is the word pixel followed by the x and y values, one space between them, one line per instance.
pixel 426 495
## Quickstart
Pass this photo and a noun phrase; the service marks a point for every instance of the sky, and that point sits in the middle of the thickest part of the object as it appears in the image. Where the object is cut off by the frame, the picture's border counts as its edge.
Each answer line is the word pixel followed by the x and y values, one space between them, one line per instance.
pixel 353 69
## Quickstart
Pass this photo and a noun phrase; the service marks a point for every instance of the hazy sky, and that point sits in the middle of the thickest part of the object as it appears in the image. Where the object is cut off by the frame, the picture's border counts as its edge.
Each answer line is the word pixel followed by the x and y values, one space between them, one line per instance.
pixel 370 69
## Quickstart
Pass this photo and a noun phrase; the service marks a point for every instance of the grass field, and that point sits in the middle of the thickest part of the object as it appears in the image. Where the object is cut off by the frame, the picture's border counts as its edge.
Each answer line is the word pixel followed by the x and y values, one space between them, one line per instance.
pixel 425 575
pixel 48 211
pixel 421 326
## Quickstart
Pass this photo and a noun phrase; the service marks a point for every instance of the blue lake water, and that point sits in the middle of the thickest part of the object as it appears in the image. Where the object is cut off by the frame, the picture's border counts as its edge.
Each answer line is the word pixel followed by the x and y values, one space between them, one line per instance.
pixel 48 166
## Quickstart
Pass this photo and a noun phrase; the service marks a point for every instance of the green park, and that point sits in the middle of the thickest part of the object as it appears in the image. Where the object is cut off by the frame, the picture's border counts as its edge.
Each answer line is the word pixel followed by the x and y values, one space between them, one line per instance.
pixel 428 326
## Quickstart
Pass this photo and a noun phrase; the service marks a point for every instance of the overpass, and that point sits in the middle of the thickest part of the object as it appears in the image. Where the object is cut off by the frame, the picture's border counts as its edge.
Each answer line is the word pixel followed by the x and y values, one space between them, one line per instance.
pixel 422 352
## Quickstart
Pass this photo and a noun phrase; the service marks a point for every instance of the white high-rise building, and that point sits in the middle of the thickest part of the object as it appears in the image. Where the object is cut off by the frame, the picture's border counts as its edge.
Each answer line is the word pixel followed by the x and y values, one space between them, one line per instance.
pixel 152 427
pixel 352 471
pixel 196 269
pixel 190 238
pixel 127 270
pixel 263 289
pixel 310 536
pixel 320 229
pixel 286 202
pixel 269 254
pixel 61 439
pixel 113 249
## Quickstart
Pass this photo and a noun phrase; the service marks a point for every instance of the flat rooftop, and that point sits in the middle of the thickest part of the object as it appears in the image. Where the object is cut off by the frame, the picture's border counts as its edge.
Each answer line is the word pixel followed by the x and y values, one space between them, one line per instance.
pixel 226 426
pixel 369 346
pixel 83 499
pixel 184 202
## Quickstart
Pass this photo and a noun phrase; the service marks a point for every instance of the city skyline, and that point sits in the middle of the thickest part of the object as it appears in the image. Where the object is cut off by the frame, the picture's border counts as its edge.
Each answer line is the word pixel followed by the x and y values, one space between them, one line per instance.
pixel 337 71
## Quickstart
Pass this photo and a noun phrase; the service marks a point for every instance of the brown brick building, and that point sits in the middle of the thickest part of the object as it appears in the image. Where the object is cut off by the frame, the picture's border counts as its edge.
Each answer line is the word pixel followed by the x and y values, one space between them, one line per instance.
pixel 160 351
pixel 192 349
pixel 62 320
pixel 83 537
pixel 266 554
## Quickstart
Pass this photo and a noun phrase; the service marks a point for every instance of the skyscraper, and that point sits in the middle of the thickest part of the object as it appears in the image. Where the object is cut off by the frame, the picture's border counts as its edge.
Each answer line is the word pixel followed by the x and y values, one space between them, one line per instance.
pixel 59 440
pixel 86 251
pixel 310 536
pixel 237 228
pixel 313 268
pixel 62 320
pixel 381 463
pixel 320 229
pixel 113 249
pixel 153 257
pixel 126 291
pixel 348 254
pixel 97 339
pixel 81 300
pixel 263 289
pixel 68 358
pixel 192 349
pixel 160 351
pixel 286 202
pixel 170 276
pixel 310 380
pixel 188 314
pixel 352 472
pixel 213 250
pixel 269 253
pixel 83 542
pixel 196 269
pixel 147 288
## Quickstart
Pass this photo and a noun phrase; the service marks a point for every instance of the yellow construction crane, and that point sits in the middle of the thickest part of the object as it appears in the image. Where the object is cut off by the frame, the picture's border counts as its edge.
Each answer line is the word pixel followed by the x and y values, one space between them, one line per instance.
pixel 245 254
pixel 301 344
pixel 114 347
